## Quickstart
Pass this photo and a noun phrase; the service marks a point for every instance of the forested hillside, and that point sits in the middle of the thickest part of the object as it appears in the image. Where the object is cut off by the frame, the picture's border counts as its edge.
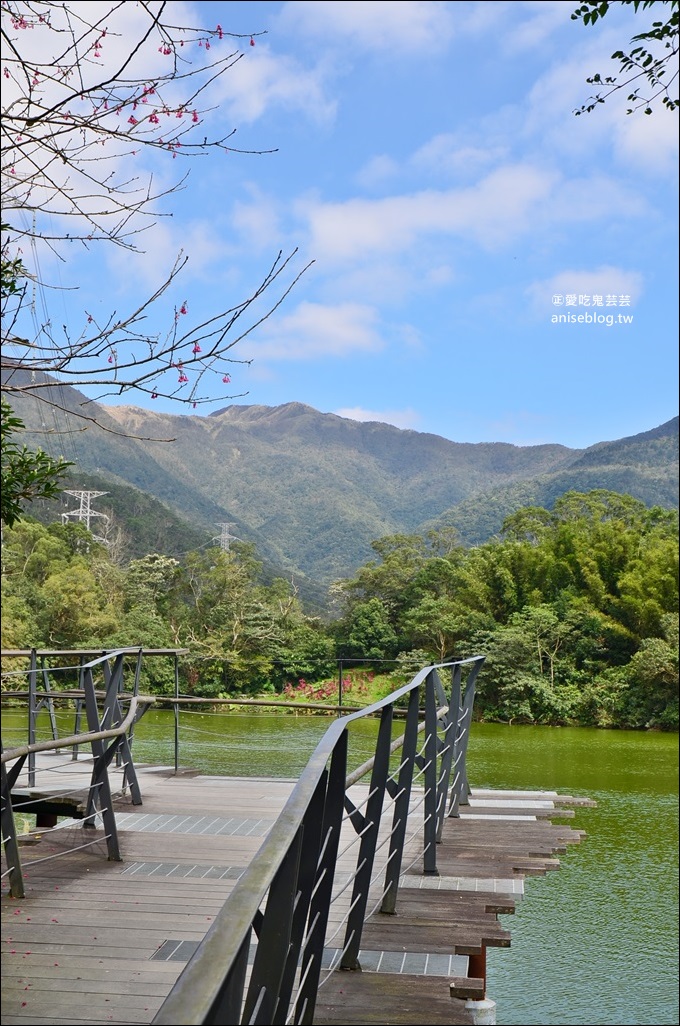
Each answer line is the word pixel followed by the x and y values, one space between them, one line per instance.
pixel 575 609
pixel 312 490
pixel 644 465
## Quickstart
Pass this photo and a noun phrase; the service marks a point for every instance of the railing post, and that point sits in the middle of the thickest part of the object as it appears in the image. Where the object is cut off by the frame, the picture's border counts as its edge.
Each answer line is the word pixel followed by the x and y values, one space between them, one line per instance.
pixel 32 680
pixel 176 708
pixel 77 721
pixel 401 794
pixel 460 788
pixel 319 908
pixel 100 789
pixel 9 838
pixel 135 692
pixel 273 947
pixel 47 700
pixel 369 825
pixel 79 707
pixel 445 726
pixel 448 748
pixel 307 877
pixel 114 714
pixel 430 779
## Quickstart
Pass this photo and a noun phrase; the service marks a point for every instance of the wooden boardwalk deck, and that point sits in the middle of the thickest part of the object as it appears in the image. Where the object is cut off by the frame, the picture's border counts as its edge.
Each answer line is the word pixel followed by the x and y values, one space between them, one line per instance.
pixel 99 942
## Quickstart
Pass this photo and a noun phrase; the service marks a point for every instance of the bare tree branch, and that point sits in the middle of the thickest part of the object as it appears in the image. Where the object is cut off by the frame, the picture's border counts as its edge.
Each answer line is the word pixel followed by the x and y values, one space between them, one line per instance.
pixel 86 87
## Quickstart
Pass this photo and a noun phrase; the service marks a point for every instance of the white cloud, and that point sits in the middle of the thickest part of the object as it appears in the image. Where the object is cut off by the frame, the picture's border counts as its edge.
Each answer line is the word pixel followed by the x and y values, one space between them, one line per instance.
pixel 410 27
pixel 480 18
pixel 491 213
pixel 314 331
pixel 447 153
pixel 377 171
pixel 398 418
pixel 385 281
pixel 202 241
pixel 499 209
pixel 601 281
pixel 649 143
pixel 543 17
pixel 257 221
pixel 593 199
pixel 262 80
pixel 562 89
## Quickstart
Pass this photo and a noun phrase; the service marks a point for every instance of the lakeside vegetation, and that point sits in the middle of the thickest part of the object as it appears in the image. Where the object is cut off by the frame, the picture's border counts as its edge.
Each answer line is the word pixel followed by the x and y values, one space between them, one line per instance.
pixel 575 608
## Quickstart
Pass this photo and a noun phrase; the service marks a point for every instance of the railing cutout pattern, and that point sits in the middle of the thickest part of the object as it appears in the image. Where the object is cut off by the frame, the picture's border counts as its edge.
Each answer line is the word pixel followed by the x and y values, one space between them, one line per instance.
pixel 283 902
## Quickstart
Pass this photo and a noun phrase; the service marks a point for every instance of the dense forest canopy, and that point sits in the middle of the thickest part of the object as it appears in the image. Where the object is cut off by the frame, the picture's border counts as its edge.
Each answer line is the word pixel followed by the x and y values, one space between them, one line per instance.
pixel 575 608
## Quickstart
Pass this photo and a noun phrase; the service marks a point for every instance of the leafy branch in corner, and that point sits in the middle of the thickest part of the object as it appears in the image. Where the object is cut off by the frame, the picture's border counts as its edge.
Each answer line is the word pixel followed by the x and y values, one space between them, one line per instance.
pixel 26 474
pixel 653 70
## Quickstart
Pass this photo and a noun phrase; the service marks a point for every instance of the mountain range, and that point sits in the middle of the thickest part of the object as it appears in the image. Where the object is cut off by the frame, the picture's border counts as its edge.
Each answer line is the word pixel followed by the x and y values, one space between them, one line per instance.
pixel 311 489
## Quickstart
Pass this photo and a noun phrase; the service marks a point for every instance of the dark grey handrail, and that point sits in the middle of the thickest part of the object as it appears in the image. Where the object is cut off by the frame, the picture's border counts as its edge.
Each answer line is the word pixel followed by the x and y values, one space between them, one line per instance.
pixel 83 738
pixel 284 896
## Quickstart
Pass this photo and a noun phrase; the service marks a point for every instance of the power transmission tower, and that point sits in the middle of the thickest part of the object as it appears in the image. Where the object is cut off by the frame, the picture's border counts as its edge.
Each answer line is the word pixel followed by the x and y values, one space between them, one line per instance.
pixel 225 537
pixel 85 513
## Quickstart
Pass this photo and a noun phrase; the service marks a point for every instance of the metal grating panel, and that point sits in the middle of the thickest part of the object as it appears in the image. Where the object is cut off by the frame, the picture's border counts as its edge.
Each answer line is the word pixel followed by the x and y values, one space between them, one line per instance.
pixel 511 885
pixel 182 870
pixel 236 826
pixel 417 963
pixel 175 951
pixel 411 963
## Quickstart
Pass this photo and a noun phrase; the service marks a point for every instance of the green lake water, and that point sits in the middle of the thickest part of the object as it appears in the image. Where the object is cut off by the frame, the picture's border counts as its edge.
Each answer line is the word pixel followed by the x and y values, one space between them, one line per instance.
pixel 595 943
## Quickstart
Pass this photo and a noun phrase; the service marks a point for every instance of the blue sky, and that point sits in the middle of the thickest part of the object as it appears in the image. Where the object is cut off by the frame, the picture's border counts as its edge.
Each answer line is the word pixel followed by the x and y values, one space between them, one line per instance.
pixel 429 162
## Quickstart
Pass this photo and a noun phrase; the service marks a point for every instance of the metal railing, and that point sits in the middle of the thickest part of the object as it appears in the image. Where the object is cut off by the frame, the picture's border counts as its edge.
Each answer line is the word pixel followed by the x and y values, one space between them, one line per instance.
pixel 43 688
pixel 263 959
pixel 109 724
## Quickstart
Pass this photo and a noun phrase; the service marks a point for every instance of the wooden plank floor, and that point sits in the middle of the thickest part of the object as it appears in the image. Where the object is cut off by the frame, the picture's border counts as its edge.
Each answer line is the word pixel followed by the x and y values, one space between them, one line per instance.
pixel 482 861
pixel 97 941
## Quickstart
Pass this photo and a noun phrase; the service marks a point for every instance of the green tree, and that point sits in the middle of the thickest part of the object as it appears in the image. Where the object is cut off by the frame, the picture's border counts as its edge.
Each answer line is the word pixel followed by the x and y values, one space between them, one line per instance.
pixel 306 651
pixel 434 625
pixel 648 587
pixel 652 695
pixel 401 556
pixel 369 632
pixel 26 474
pixel 568 605
pixel 18 627
pixel 244 635
pixel 528 674
pixel 152 581
pixel 76 610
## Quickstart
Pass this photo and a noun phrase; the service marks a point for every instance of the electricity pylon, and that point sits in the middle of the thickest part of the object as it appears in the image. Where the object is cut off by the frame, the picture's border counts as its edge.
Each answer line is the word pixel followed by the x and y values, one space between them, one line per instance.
pixel 84 514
